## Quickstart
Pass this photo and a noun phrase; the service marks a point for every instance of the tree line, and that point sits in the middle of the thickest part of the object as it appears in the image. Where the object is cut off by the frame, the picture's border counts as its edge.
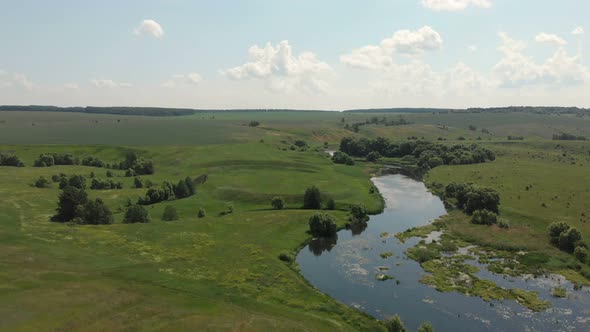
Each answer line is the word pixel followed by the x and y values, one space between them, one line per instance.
pixel 10 160
pixel 428 154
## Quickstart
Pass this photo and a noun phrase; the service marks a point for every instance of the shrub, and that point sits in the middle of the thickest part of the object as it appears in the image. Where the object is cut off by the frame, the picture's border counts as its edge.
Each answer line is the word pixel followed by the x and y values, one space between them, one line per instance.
pixel 286 257
pixel 322 225
pixel 170 213
pixel 138 182
pixel 97 184
pixel 110 174
pixel 278 203
pixel 395 324
pixel 201 213
pixel 340 157
pixel 42 182
pixel 373 156
pixel 331 204
pixel 56 178
pixel 312 198
pixel 581 254
pixel 136 214
pixel 484 217
pixel 503 223
pixel 254 123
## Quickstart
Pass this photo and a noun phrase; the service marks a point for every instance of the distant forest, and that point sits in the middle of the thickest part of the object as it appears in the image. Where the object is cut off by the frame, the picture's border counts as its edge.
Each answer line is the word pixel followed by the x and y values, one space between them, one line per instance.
pixel 157 111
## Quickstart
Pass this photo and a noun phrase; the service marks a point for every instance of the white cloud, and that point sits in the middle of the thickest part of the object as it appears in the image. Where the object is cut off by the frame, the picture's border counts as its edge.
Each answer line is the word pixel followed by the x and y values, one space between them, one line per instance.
pixel 71 86
pixel 402 42
pixel 472 48
pixel 578 31
pixel 547 38
pixel 455 5
pixel 516 69
pixel 281 69
pixel 182 80
pixel 109 84
pixel 149 27
pixel 18 80
pixel 406 41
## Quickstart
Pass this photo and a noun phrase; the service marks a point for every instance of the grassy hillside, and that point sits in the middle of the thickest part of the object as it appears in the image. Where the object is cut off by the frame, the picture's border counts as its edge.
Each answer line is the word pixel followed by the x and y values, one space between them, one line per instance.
pixel 222 272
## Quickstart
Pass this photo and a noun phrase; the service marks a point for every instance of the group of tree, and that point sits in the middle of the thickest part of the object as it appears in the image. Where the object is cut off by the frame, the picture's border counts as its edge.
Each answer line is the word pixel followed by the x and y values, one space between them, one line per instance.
pixel 136 214
pixel 395 324
pixel 74 206
pixel 340 157
pixel 139 182
pixel 54 159
pixel 313 200
pixel 93 162
pixel 76 181
pixel 568 137
pixel 428 154
pixel 277 203
pixel 168 192
pixel 355 127
pixel 135 165
pixel 568 239
pixel 105 184
pixel 254 123
pixel 10 160
pixel 481 203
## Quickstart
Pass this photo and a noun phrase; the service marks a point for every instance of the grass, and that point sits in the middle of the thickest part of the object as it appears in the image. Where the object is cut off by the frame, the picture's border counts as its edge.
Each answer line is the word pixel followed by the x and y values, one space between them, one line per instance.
pixel 219 272
pixel 223 272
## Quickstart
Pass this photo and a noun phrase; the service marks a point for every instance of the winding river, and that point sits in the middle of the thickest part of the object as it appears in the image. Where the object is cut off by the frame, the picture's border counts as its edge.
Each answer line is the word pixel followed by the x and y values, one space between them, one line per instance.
pixel 347 267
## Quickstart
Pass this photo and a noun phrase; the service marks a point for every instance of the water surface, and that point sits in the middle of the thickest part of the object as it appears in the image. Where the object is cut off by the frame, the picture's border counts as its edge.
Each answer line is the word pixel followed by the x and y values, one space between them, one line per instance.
pixel 346 268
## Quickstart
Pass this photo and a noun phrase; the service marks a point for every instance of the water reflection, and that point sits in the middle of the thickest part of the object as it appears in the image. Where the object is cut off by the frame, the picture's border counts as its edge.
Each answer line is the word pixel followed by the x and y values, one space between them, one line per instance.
pixel 320 245
pixel 357 228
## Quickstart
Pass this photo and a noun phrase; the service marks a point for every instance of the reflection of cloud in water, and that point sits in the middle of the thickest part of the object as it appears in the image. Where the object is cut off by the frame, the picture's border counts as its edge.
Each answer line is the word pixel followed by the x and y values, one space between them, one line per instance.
pixel 350 260
pixel 403 192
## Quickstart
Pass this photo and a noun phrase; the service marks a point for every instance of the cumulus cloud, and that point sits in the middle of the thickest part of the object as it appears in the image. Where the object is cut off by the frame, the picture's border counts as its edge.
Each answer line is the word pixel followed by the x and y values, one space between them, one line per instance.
pixel 281 69
pixel 547 38
pixel 402 42
pixel 149 28
pixel 17 80
pixel 578 31
pixel 183 80
pixel 455 5
pixel 108 84
pixel 517 69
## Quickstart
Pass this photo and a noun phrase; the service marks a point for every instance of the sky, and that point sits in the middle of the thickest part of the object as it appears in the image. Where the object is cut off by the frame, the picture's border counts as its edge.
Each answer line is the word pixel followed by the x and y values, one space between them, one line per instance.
pixel 298 54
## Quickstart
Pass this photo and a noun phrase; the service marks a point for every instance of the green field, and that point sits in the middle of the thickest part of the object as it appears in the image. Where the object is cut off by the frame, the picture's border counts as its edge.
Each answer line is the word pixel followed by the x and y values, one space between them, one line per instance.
pixel 222 272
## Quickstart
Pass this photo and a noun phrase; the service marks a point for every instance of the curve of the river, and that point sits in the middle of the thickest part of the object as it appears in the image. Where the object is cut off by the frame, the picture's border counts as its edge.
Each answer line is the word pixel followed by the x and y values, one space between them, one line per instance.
pixel 346 268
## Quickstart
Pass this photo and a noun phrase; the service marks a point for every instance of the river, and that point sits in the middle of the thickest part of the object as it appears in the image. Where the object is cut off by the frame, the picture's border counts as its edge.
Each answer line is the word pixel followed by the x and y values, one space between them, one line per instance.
pixel 347 267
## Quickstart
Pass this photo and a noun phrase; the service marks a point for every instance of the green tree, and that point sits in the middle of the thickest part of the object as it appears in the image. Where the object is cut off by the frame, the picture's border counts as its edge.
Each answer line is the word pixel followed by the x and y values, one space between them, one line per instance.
pixel 170 213
pixel 97 213
pixel 358 213
pixel 138 182
pixel 136 214
pixel 71 201
pixel 581 254
pixel 181 190
pixel 569 238
pixel 322 225
pixel 426 327
pixel 555 230
pixel 278 203
pixel 312 199
pixel 395 324
pixel 201 213
pixel 78 181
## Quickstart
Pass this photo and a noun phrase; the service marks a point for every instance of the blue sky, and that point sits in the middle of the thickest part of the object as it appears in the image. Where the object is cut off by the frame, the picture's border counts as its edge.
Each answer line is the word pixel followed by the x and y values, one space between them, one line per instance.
pixel 310 54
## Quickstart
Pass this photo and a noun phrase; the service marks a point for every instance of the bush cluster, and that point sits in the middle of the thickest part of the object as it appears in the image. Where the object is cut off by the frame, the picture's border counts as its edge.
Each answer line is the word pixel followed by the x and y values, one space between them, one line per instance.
pixel 10 160
pixel 53 159
pixel 471 198
pixel 105 184
pixel 484 217
pixel 74 206
pixel 340 157
pixel 168 191
pixel 567 238
pixel 322 225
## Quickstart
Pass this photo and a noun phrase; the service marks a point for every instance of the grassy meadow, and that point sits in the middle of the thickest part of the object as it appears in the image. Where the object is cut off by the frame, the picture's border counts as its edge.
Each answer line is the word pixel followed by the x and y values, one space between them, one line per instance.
pixel 222 272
